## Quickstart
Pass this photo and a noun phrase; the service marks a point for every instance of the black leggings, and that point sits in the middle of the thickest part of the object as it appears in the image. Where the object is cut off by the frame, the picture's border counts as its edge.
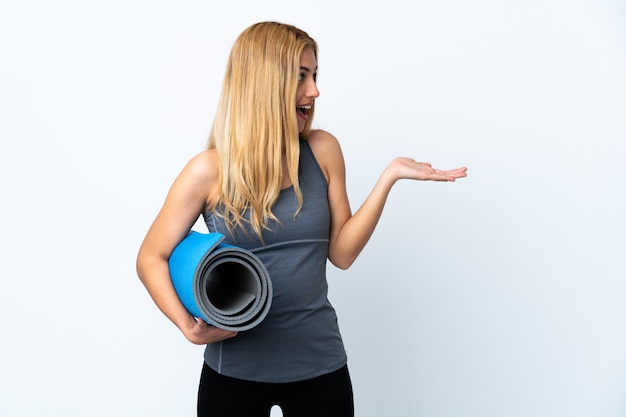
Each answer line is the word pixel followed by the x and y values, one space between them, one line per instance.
pixel 327 395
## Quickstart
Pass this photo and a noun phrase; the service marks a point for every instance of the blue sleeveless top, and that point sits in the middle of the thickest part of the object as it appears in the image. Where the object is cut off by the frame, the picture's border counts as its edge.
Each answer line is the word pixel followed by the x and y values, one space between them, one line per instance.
pixel 299 338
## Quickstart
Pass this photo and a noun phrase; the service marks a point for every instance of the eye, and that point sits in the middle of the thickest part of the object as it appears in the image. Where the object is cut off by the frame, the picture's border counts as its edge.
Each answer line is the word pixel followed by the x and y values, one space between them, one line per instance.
pixel 302 76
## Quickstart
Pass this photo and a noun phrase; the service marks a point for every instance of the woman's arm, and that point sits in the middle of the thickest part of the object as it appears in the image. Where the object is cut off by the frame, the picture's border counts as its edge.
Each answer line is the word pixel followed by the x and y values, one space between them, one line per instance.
pixel 349 233
pixel 185 201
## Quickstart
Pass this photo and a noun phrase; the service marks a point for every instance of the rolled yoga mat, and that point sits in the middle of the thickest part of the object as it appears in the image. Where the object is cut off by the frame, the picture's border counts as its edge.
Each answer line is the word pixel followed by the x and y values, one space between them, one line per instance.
pixel 226 286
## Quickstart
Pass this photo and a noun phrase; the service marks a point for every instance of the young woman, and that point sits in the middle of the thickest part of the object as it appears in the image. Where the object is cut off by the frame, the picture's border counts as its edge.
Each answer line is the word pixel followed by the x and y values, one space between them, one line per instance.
pixel 272 185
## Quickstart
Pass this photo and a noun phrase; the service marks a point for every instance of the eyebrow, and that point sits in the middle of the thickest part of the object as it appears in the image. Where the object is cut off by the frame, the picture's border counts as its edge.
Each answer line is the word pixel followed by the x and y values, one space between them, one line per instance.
pixel 306 69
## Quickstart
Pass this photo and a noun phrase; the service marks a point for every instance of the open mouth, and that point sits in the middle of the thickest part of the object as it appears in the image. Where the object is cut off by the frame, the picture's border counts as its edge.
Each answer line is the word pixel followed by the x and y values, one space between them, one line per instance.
pixel 303 111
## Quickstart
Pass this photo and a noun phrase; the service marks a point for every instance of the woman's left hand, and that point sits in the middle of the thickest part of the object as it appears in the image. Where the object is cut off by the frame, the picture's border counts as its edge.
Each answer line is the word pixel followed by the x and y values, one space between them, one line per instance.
pixel 407 168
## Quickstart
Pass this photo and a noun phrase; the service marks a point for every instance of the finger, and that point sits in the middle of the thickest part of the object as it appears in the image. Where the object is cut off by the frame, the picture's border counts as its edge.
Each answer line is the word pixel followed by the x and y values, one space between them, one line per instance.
pixel 231 334
pixel 221 334
pixel 459 173
pixel 444 176
pixel 456 172
pixel 201 322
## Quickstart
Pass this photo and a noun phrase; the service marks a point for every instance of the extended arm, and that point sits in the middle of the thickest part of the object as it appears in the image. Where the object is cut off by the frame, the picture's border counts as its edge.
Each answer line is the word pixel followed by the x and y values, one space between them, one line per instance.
pixel 350 232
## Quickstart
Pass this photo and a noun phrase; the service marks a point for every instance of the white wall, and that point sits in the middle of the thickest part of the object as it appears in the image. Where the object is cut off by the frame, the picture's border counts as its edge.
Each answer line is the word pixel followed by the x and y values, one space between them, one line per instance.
pixel 499 295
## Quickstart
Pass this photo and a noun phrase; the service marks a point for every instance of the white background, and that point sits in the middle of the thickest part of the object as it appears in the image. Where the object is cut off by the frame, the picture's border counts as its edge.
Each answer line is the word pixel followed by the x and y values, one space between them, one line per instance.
pixel 502 294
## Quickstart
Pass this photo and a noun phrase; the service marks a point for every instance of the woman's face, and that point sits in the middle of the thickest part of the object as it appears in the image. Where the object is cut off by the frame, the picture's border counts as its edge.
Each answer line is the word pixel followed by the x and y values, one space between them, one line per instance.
pixel 307 89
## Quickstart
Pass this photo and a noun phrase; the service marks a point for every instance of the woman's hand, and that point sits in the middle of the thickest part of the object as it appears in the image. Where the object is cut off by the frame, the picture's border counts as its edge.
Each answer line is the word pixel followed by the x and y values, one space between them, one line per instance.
pixel 202 333
pixel 407 168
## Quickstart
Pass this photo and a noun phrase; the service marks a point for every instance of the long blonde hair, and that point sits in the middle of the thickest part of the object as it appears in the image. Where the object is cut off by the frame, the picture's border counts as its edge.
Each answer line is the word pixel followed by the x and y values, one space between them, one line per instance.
pixel 256 121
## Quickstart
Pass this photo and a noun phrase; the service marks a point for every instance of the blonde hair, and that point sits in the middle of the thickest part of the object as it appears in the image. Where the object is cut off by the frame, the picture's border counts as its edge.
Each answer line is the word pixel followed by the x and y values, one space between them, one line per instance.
pixel 256 121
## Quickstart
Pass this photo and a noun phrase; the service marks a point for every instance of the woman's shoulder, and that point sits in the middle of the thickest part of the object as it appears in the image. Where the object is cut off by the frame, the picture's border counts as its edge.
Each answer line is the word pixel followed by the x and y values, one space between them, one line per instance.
pixel 203 166
pixel 327 151
pixel 200 176
pixel 323 144
pixel 321 137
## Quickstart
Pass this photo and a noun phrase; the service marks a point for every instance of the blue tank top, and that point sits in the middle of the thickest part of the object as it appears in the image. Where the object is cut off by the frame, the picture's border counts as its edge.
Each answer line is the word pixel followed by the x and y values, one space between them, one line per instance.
pixel 299 338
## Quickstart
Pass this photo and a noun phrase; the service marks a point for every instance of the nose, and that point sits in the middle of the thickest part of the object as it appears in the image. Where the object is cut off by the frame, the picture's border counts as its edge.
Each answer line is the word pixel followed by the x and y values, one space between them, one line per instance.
pixel 311 90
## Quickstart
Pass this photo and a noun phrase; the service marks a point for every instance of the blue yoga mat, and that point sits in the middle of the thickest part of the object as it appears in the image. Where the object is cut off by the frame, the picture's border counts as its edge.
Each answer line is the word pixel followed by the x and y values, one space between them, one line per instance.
pixel 226 286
